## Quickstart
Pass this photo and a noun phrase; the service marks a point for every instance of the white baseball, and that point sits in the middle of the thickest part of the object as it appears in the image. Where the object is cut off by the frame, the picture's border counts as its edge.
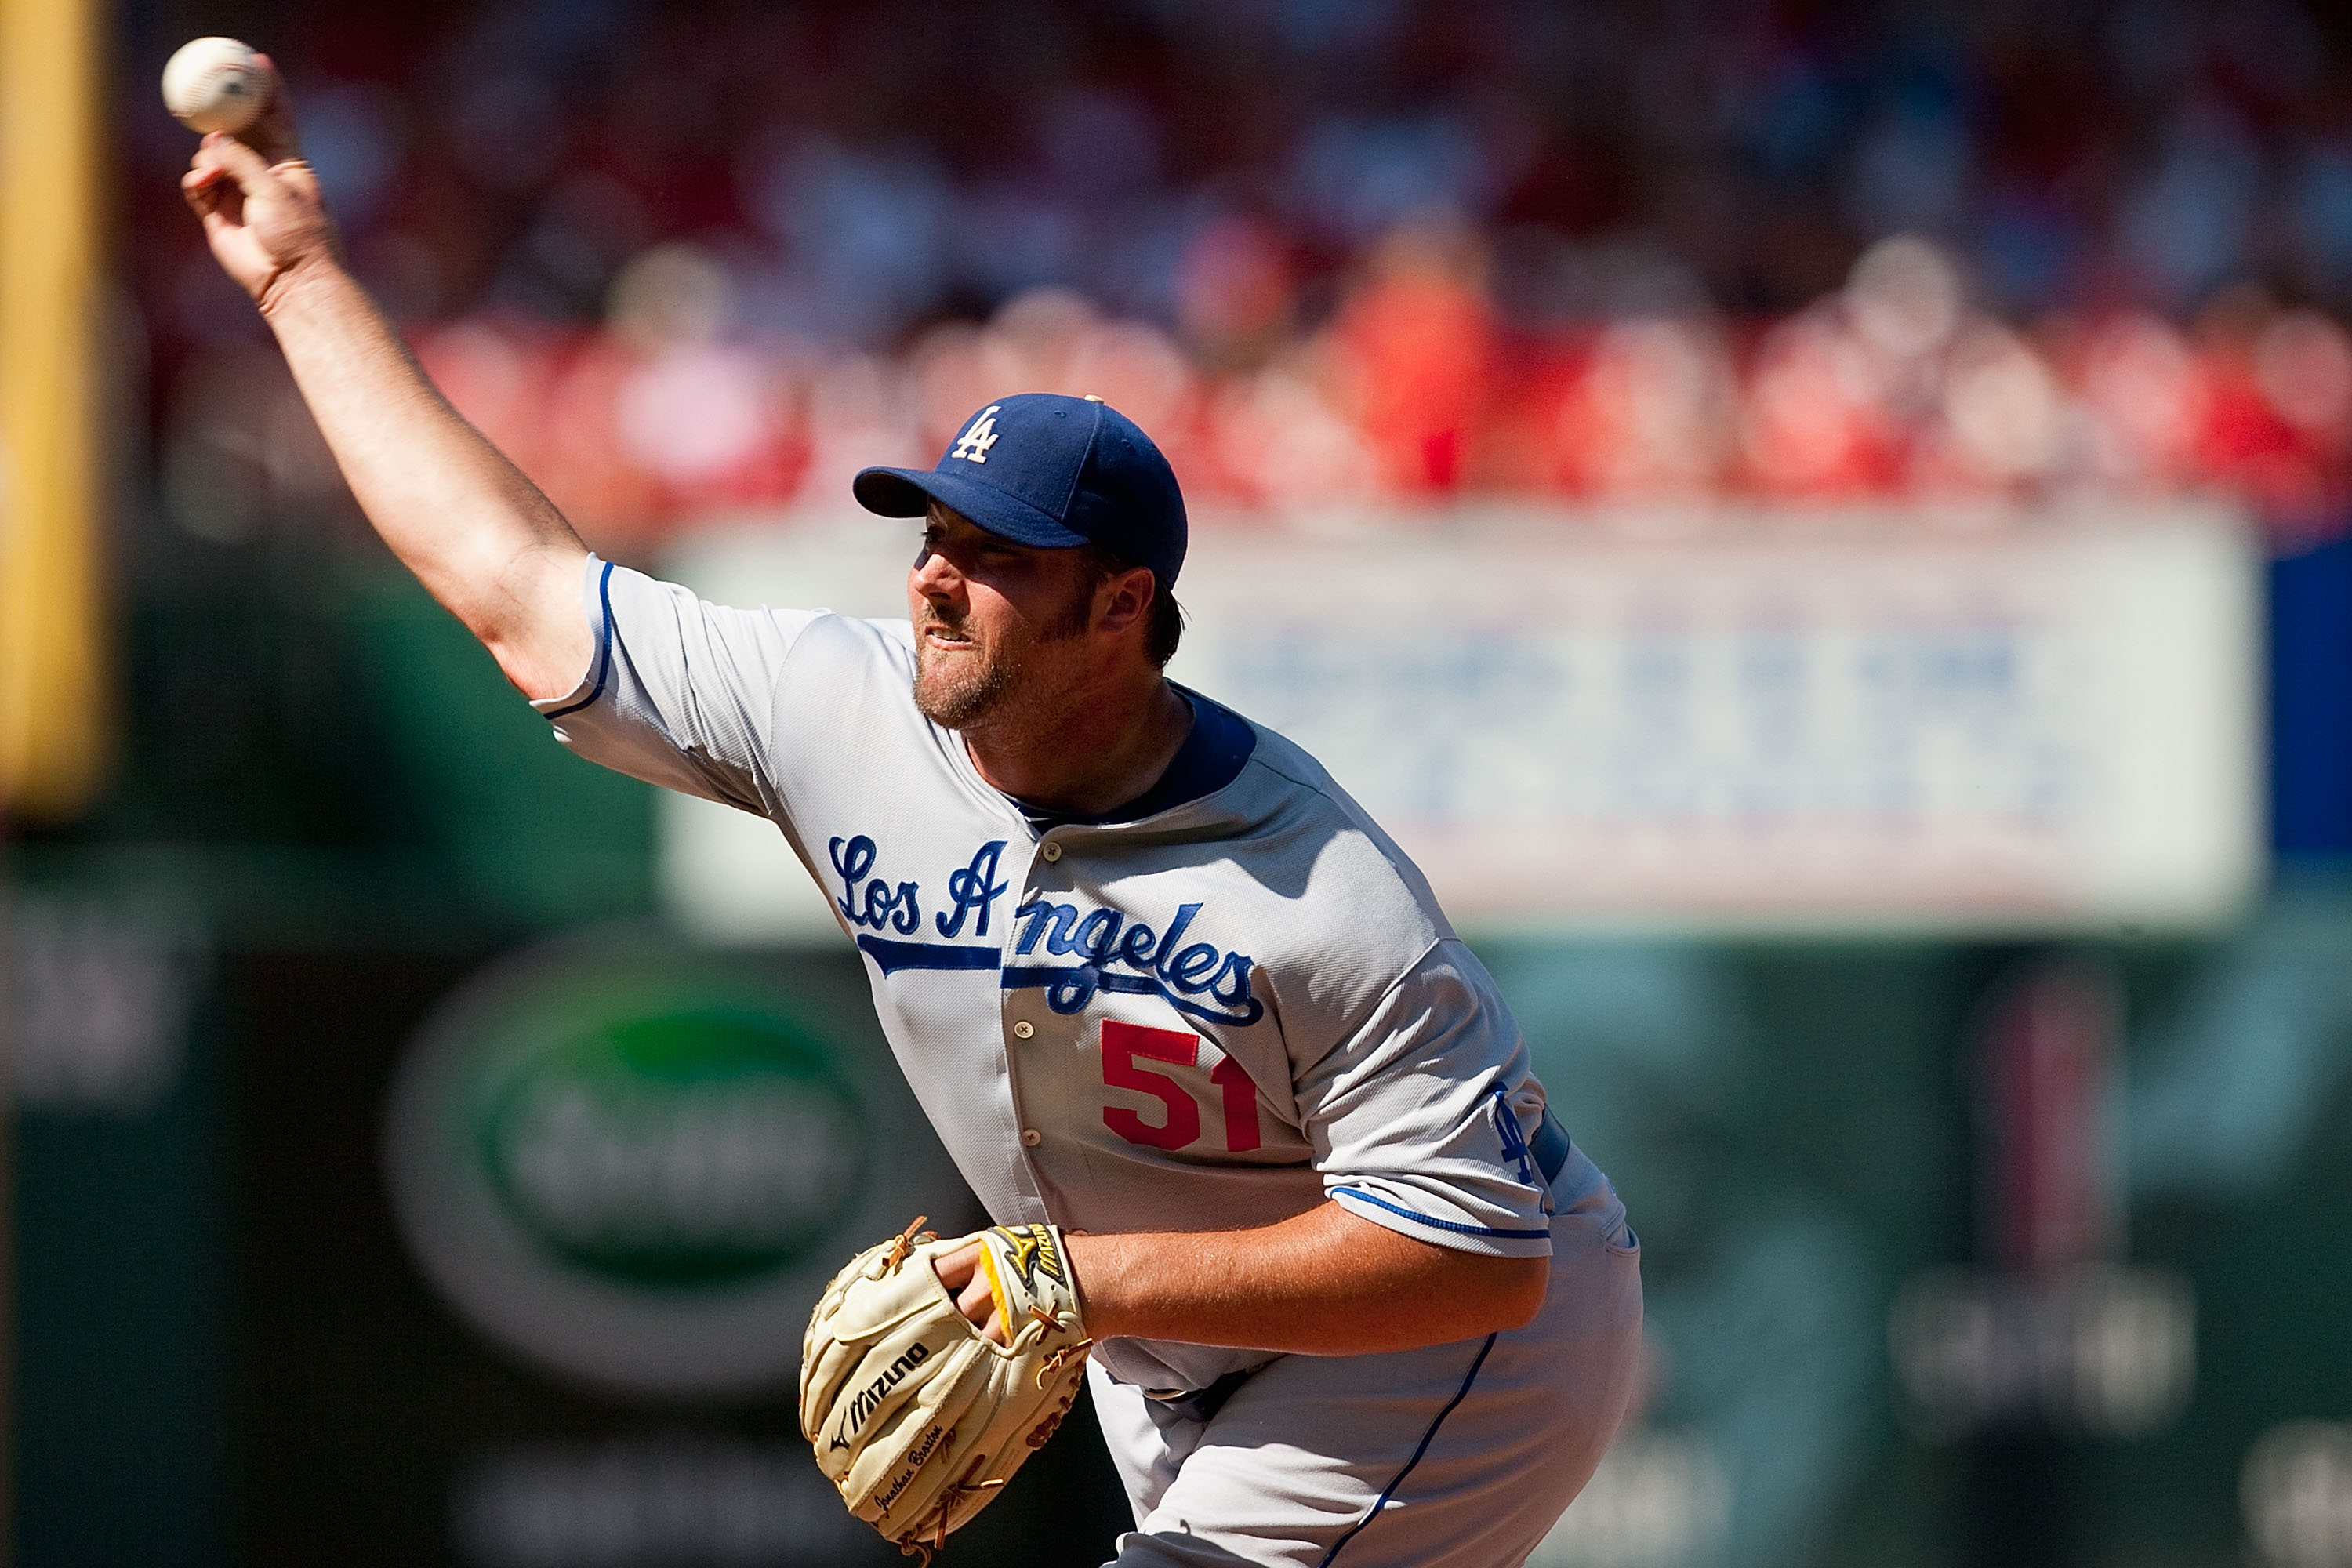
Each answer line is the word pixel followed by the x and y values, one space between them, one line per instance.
pixel 214 84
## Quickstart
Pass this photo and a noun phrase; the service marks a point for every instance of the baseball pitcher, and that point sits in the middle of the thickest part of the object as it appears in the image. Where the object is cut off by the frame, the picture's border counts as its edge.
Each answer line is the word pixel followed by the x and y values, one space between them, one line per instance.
pixel 1268 1167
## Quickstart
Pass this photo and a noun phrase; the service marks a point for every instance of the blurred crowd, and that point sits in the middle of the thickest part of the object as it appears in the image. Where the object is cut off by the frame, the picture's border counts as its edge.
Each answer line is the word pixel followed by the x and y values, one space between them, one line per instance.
pixel 680 258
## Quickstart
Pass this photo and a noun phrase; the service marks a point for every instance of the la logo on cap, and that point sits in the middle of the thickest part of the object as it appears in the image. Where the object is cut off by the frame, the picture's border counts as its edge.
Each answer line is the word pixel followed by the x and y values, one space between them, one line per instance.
pixel 973 444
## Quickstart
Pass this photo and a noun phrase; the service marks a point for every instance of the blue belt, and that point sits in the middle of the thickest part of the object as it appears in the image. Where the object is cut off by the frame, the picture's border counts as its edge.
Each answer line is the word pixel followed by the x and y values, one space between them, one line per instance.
pixel 1201 1404
pixel 1549 1146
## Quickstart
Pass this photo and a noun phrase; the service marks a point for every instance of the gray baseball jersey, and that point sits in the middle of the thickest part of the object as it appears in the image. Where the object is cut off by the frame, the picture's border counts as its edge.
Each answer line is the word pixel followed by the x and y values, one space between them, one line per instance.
pixel 1213 1017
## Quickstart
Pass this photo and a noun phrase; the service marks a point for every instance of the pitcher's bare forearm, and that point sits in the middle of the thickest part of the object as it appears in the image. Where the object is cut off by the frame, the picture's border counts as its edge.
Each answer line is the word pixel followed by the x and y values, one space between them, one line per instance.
pixel 477 533
pixel 1323 1283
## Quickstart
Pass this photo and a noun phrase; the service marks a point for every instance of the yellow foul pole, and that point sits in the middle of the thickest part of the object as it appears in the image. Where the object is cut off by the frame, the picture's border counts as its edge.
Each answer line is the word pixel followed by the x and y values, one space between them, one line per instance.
pixel 53 706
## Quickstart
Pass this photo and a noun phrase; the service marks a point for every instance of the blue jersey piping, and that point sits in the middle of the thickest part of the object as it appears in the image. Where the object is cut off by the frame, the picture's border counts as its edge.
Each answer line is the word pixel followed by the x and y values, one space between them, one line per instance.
pixel 603 649
pixel 1455 1225
pixel 1427 1438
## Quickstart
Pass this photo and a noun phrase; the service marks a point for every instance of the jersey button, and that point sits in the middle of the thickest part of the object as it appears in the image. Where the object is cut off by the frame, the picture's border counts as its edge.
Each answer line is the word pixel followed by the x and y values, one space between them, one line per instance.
pixel 1052 851
pixel 1031 1137
pixel 1023 1029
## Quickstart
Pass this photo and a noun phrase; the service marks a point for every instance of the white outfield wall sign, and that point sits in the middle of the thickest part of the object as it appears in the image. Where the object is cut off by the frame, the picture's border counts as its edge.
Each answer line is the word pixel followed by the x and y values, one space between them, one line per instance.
pixel 1839 721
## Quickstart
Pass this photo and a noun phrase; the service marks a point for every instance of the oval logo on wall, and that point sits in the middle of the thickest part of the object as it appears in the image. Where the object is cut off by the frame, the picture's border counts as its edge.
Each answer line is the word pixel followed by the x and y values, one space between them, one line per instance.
pixel 638 1165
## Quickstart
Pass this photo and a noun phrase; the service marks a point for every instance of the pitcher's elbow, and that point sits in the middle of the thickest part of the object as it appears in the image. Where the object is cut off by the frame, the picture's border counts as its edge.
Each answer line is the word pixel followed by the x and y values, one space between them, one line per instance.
pixel 1523 1296
pixel 1511 1292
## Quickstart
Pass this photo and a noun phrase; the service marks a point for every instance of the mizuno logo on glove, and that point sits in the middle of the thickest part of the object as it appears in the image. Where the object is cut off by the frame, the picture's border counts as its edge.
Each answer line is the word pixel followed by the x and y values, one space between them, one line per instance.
pixel 869 1398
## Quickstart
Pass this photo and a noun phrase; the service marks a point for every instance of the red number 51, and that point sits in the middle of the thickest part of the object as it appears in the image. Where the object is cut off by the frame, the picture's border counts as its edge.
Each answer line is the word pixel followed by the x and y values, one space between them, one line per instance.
pixel 1122 1043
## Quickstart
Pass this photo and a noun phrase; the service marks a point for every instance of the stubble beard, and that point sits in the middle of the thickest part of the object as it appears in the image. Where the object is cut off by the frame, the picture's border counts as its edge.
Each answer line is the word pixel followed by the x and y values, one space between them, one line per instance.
pixel 957 690
pixel 953 697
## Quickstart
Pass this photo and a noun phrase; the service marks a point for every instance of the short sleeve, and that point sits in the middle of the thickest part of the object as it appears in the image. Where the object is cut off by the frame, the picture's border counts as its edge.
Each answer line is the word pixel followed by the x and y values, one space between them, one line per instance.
pixel 1407 1115
pixel 680 692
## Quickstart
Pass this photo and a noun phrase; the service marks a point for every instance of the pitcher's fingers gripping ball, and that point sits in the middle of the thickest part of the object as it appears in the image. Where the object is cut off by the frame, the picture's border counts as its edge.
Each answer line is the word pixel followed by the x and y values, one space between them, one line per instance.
pixel 916 1415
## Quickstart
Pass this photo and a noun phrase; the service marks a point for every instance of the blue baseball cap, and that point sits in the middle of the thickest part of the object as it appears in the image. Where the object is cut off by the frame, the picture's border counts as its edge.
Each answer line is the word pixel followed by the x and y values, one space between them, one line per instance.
pixel 1042 469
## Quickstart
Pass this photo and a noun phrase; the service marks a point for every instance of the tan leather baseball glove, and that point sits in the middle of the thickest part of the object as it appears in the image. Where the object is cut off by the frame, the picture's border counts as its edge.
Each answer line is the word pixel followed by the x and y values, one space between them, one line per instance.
pixel 916 1415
